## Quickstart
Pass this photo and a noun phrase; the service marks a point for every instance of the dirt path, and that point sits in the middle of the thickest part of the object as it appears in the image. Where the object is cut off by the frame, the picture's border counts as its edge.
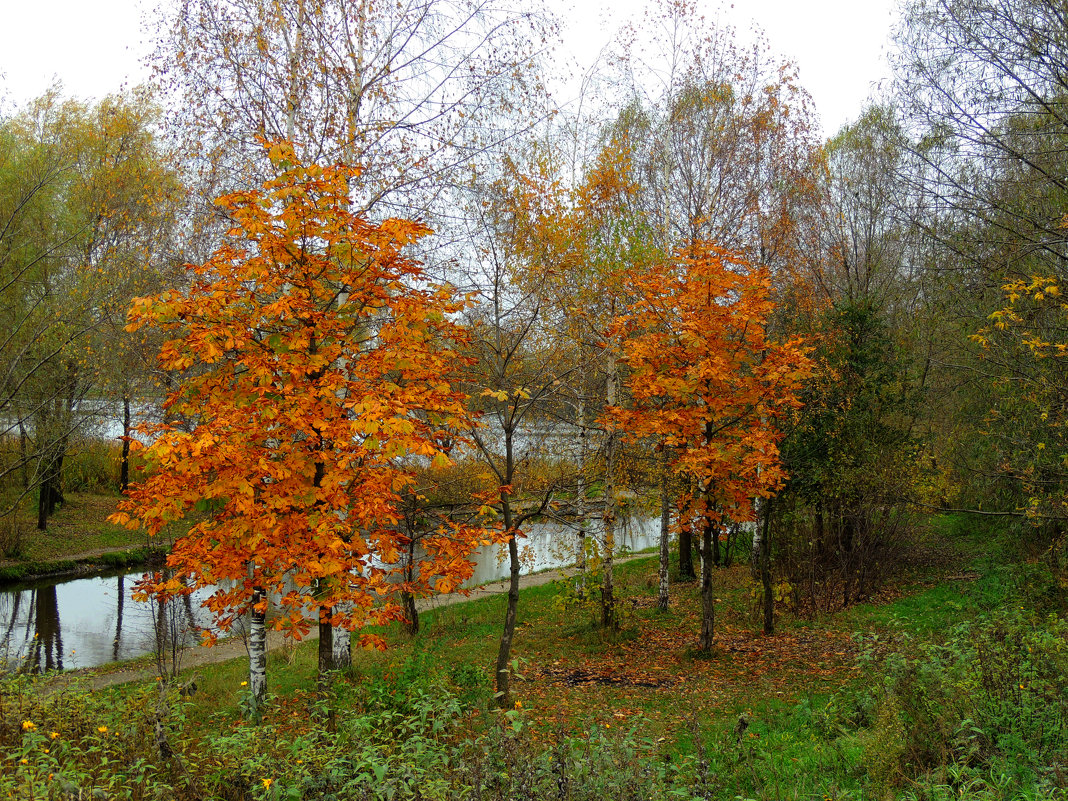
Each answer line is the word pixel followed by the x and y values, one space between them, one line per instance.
pixel 234 648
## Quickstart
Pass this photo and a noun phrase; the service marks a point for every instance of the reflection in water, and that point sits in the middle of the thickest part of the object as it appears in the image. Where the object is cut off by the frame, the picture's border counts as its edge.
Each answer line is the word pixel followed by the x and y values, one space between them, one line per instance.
pixel 548 545
pixel 120 594
pixel 46 652
pixel 100 625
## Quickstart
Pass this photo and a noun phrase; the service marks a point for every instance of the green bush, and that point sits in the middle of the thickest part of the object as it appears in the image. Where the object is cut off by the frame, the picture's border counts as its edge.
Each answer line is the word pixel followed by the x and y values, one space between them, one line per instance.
pixel 992 700
pixel 92 465
pixel 70 743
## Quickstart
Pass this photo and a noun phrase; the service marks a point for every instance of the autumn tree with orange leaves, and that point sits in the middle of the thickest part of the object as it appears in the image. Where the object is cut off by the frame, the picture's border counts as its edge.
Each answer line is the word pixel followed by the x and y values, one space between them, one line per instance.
pixel 317 359
pixel 705 379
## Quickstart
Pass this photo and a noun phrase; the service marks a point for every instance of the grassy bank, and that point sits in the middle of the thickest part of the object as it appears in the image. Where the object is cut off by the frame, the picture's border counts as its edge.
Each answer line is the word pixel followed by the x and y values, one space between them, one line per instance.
pixel 949 684
pixel 79 538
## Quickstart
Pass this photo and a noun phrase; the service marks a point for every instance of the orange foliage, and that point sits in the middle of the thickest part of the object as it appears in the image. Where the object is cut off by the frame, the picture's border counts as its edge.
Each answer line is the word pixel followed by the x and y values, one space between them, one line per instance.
pixel 317 359
pixel 705 378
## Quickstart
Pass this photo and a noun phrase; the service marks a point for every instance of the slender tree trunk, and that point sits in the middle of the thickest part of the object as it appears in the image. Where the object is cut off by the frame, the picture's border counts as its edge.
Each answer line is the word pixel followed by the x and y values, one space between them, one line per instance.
pixel 24 455
pixel 729 544
pixel 662 600
pixel 326 613
pixel 758 538
pixel 765 571
pixel 257 648
pixel 124 462
pixel 608 597
pixel 295 51
pixel 580 492
pixel 608 592
pixel 163 639
pixel 504 653
pixel 326 649
pixel 43 496
pixel 686 569
pixel 411 613
pixel 820 528
pixel 708 598
pixel 717 558
pixel 55 496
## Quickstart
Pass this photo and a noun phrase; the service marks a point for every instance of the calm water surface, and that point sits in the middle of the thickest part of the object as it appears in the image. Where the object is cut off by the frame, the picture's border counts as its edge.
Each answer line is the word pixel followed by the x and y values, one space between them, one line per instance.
pixel 85 622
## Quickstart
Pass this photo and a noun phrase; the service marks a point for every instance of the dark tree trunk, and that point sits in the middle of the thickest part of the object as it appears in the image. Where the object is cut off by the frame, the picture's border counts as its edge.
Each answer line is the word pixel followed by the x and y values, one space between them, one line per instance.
pixel 326 648
pixel 49 495
pixel 686 553
pixel 662 599
pixel 765 572
pixel 55 495
pixel 411 613
pixel 43 494
pixel 24 454
pixel 708 596
pixel 504 653
pixel 729 545
pixel 124 462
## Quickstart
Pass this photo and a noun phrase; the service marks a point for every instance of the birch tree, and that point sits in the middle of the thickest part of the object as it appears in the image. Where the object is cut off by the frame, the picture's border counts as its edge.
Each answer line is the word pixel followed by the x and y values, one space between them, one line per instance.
pixel 411 91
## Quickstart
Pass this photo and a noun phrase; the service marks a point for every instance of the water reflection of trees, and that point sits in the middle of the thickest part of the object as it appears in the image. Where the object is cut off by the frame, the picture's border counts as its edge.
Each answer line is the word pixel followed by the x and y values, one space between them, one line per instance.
pixel 32 636
pixel 46 652
pixel 36 639
pixel 175 629
pixel 120 594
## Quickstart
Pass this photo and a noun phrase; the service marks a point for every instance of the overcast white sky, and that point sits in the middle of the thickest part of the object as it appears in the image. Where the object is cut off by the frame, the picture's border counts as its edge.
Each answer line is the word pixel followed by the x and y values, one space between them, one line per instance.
pixel 95 46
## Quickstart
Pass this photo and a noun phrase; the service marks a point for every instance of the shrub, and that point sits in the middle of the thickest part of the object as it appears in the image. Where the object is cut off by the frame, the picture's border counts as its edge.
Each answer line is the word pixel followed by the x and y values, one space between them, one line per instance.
pixel 992 699
pixel 92 465
pixel 70 743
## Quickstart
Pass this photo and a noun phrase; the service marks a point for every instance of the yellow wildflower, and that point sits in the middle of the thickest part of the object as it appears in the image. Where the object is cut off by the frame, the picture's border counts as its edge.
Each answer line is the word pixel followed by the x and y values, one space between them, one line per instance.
pixel 267 784
pixel 53 735
pixel 24 761
pixel 28 725
pixel 244 684
pixel 102 729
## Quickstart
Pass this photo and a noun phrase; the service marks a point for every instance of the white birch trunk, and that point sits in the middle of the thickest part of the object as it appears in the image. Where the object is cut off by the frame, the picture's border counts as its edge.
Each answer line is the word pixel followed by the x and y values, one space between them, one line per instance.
pixel 342 648
pixel 257 648
pixel 662 600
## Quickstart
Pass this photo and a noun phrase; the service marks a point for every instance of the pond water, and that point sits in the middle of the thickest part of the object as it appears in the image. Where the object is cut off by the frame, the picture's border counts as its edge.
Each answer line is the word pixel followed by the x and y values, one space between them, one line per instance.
pixel 85 622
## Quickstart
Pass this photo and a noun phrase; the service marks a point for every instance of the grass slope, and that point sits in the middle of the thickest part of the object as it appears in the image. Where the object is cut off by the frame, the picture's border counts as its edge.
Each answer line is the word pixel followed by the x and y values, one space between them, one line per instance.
pixel 886 699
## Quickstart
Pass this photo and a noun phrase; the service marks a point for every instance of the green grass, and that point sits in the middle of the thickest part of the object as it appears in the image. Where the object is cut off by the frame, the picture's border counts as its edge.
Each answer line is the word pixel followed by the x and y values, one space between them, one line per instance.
pixel 79 537
pixel 818 697
pixel 78 526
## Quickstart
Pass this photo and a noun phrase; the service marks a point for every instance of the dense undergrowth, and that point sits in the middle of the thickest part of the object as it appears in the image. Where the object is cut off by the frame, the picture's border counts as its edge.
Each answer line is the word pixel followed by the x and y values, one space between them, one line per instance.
pixel 955 688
